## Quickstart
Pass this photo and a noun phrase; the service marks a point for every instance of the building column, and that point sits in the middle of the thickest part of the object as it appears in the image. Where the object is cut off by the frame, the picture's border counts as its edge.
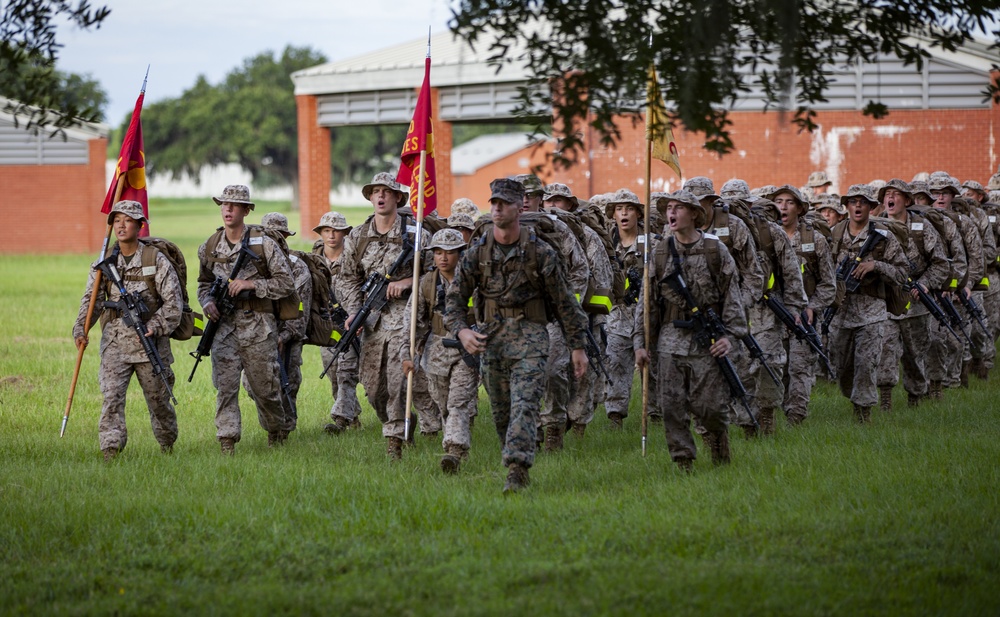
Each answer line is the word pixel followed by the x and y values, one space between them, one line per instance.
pixel 314 166
pixel 442 156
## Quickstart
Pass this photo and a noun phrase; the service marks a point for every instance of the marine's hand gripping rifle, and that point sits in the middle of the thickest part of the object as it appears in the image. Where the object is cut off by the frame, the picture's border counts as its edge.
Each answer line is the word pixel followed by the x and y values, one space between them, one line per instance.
pixel 954 317
pixel 800 330
pixel 973 309
pixel 931 306
pixel 131 308
pixel 374 290
pixel 226 304
pixel 708 328
pixel 845 271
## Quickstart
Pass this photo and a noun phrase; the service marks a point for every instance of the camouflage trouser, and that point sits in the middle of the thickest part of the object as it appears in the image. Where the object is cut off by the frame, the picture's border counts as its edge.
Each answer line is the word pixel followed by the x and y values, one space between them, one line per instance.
pixel 583 391
pixel 757 381
pixel 945 350
pixel 907 341
pixel 382 376
pixel 114 377
pixel 260 362
pixel 599 386
pixel 429 415
pixel 858 351
pixel 343 376
pixel 514 377
pixel 455 394
pixel 294 372
pixel 983 345
pixel 621 368
pixel 558 378
pixel 799 377
pixel 691 386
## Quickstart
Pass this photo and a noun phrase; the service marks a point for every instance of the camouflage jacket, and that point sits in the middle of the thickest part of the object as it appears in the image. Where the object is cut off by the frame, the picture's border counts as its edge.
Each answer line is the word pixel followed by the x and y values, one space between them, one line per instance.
pixel 622 317
pixel 718 291
pixel 295 329
pixel 859 309
pixel 826 281
pixel 736 236
pixel 120 339
pixel 381 252
pixel 952 243
pixel 511 286
pixel 928 261
pixel 436 359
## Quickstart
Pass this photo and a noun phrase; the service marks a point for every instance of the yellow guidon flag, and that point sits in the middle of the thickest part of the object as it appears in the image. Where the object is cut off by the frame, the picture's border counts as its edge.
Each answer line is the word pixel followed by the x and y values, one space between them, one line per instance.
pixel 658 130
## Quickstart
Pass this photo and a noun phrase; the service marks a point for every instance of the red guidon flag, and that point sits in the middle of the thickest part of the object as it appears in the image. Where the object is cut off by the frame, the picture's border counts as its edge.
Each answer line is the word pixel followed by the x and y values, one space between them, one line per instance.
pixel 130 171
pixel 420 137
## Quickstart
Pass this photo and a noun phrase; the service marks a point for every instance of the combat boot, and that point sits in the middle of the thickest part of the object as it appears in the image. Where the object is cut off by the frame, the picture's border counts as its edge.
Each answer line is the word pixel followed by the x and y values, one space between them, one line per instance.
pixel 615 421
pixel 936 391
pixel 167 449
pixel 228 445
pixel 517 479
pixel 554 437
pixel 796 419
pixel 885 398
pixel 394 448
pixel 720 448
pixel 109 454
pixel 356 423
pixel 431 434
pixel 862 414
pixel 766 420
pixel 981 370
pixel 338 426
pixel 685 464
pixel 452 459
pixel 579 429
pixel 963 378
pixel 276 438
pixel 750 431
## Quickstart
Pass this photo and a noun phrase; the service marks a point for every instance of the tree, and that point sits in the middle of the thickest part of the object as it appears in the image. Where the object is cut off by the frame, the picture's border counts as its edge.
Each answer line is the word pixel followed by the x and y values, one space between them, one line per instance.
pixel 28 54
pixel 249 119
pixel 588 59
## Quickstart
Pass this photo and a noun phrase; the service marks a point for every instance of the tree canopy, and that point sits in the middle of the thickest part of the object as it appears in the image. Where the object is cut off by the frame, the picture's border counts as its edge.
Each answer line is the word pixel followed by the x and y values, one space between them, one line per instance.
pixel 588 59
pixel 249 118
pixel 28 54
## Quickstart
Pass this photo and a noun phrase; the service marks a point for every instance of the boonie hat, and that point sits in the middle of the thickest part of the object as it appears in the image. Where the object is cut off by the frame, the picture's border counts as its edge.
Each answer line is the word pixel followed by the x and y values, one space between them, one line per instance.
pixel 461 220
pixel 447 239
pixel 560 190
pixel 235 194
pixel 817 179
pixel 919 186
pixel 764 191
pixel 972 185
pixel 624 196
pixel 829 201
pixel 333 220
pixel 941 181
pixel 794 192
pixel 386 179
pixel 876 185
pixel 276 221
pixel 530 182
pixel 994 183
pixel 736 189
pixel 701 187
pixel 507 189
pixel 464 205
pixel 129 208
pixel 859 190
pixel 685 197
pixel 900 185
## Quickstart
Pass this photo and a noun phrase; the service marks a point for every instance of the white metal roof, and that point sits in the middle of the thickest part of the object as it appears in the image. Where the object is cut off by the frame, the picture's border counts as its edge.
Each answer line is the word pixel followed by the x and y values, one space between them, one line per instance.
pixel 476 153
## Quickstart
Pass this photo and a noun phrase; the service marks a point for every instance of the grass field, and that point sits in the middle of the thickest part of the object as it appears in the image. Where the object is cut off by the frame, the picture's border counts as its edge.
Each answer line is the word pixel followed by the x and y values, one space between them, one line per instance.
pixel 901 517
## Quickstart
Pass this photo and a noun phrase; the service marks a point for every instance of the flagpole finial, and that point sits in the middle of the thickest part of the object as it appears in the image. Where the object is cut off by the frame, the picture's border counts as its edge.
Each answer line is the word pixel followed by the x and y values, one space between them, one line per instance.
pixel 143 91
pixel 428 41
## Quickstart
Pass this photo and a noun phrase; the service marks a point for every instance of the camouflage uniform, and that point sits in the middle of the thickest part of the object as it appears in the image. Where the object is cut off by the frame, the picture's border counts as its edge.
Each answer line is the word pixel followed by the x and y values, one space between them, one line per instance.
pixel 817 269
pixel 908 336
pixel 247 339
pixel 122 354
pixel 991 298
pixel 453 383
pixel 381 375
pixel 621 357
pixel 983 348
pixel 343 373
pixel 292 332
pixel 514 361
pixel 857 342
pixel 690 382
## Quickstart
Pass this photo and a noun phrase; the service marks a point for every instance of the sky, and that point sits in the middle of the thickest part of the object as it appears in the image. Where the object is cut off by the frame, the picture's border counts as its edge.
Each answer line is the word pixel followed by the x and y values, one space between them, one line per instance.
pixel 181 39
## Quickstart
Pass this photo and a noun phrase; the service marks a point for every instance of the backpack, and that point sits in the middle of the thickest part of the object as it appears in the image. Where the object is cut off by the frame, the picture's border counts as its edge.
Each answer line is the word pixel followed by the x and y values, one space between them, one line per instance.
pixel 285 309
pixel 596 301
pixel 757 224
pixel 537 309
pixel 191 321
pixel 593 217
pixel 897 301
pixel 326 316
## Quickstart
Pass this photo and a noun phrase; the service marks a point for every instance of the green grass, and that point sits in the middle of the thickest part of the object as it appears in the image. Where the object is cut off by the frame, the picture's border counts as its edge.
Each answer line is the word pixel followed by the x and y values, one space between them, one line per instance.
pixel 900 517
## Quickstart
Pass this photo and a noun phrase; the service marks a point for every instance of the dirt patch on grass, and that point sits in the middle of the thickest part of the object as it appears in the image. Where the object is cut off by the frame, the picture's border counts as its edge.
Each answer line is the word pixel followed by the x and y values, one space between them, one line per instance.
pixel 15 381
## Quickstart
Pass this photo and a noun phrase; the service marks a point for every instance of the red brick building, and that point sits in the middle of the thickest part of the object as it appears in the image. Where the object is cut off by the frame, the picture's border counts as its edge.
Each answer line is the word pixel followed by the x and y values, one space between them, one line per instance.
pixel 59 182
pixel 938 120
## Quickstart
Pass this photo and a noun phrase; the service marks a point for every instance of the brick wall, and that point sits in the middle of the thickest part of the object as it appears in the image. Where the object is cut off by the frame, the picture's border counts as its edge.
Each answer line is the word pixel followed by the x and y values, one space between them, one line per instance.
pixel 314 166
pixel 54 208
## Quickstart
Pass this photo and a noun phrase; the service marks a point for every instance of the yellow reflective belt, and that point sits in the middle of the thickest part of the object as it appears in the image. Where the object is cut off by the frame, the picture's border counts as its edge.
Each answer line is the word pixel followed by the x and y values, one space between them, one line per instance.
pixel 953 284
pixel 985 282
pixel 300 306
pixel 603 302
pixel 577 298
pixel 627 284
pixel 802 268
pixel 335 336
pixel 198 323
pixel 470 301
pixel 770 282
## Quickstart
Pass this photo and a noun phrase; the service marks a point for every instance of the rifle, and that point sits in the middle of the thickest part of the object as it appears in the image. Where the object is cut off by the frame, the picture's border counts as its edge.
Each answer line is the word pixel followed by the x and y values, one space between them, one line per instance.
pixel 226 304
pixel 634 279
pixel 374 290
pixel 973 309
pixel 750 342
pixel 471 360
pixel 708 328
pixel 131 308
pixel 846 268
pixel 800 331
pixel 954 317
pixel 594 352
pixel 931 306
pixel 814 341
pixel 286 385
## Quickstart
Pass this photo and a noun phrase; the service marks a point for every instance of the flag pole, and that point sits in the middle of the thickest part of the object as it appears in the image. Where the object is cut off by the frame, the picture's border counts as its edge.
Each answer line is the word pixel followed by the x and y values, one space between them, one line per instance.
pixel 645 296
pixel 119 187
pixel 415 294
